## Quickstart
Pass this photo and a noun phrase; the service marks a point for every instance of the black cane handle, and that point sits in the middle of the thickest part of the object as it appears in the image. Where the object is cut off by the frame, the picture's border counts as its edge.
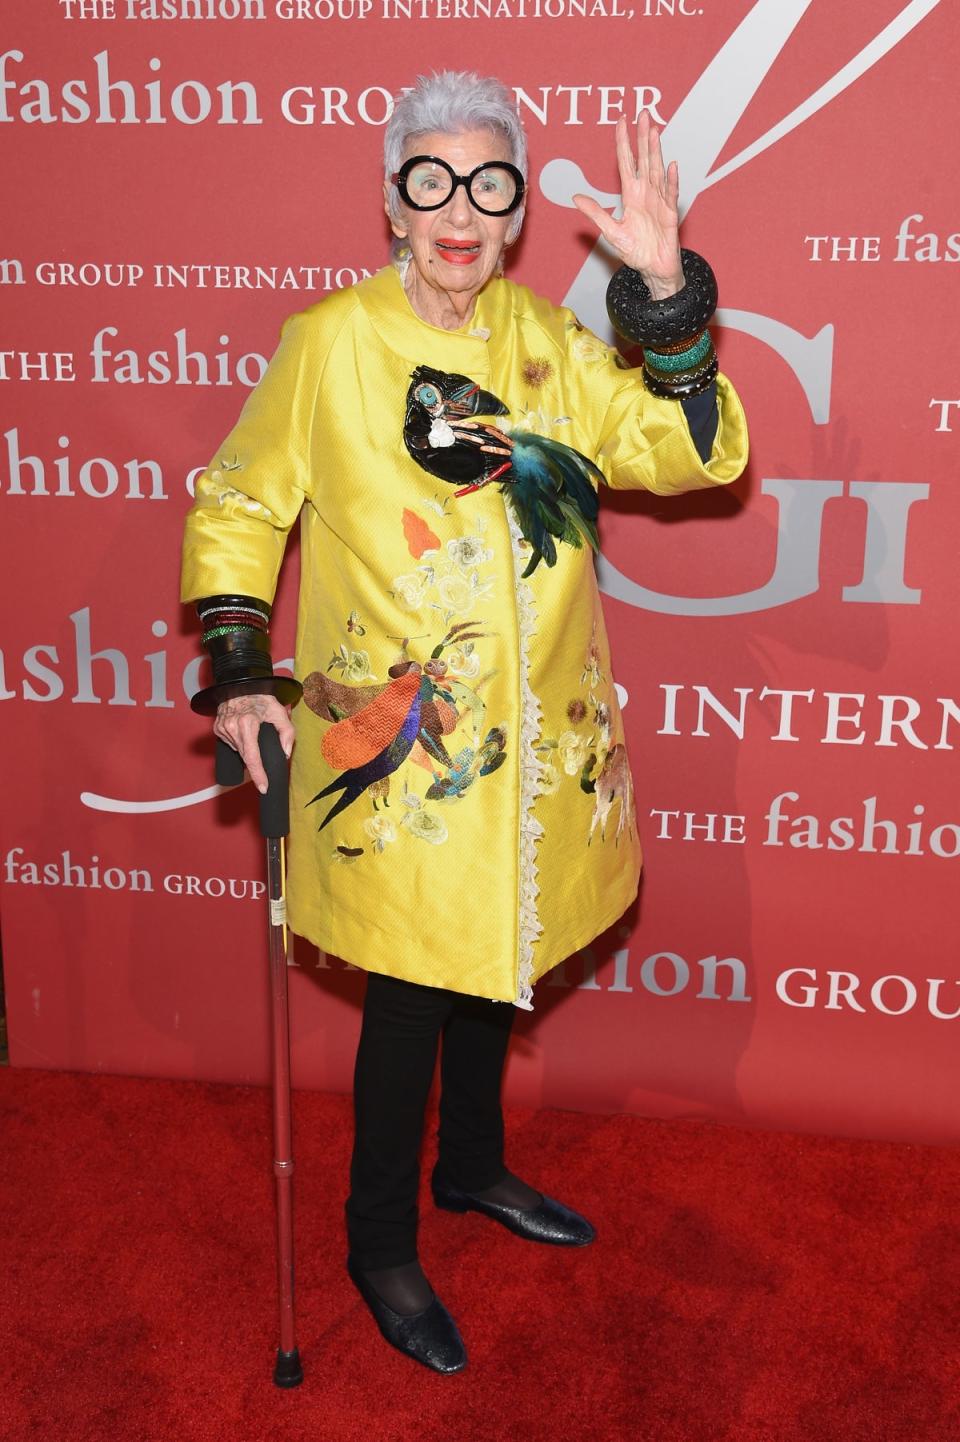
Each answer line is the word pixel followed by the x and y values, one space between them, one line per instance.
pixel 228 767
pixel 275 802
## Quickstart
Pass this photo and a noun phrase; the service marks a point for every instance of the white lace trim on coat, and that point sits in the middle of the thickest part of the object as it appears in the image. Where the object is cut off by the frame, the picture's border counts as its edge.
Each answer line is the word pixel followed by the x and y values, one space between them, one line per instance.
pixel 531 768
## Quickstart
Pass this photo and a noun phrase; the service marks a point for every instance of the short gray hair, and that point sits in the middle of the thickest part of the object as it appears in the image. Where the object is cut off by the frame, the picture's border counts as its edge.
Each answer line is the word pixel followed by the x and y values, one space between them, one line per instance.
pixel 452 101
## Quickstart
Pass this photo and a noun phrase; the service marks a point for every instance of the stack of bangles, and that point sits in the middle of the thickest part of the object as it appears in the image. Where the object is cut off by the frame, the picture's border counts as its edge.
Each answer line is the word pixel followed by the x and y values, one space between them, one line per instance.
pixel 237 641
pixel 678 355
pixel 235 635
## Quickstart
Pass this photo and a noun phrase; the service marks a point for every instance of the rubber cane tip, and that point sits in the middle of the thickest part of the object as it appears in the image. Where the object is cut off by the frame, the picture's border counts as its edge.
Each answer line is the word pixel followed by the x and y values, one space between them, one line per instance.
pixel 288 1372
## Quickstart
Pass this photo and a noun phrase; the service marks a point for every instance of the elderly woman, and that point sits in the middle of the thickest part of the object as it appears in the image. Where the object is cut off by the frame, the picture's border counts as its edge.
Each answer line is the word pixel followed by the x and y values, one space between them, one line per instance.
pixel 463 807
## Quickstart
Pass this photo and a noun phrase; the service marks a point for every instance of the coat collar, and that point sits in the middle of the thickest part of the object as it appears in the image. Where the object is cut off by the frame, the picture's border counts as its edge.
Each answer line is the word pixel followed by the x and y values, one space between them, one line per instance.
pixel 466 350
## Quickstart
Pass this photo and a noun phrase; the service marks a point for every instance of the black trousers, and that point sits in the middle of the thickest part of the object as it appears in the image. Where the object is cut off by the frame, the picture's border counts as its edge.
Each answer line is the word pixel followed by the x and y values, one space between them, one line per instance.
pixel 402 1025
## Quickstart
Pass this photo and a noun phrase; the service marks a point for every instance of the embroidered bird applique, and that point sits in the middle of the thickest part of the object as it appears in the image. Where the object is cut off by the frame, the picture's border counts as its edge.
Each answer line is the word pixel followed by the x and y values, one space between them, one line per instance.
pixel 550 486
pixel 377 727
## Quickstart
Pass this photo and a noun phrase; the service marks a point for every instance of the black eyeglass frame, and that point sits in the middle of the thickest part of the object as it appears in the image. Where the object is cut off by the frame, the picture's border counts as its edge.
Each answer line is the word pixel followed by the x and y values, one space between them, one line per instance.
pixel 399 179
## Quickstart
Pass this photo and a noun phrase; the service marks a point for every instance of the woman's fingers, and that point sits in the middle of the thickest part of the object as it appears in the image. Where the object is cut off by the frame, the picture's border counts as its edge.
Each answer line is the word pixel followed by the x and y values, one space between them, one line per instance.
pixel 248 731
pixel 625 160
pixel 604 222
pixel 238 723
pixel 654 155
pixel 672 187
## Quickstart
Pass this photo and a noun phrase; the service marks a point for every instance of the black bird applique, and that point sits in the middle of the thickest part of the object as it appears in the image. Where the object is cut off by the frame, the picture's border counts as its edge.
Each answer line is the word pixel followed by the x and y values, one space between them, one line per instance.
pixel 549 485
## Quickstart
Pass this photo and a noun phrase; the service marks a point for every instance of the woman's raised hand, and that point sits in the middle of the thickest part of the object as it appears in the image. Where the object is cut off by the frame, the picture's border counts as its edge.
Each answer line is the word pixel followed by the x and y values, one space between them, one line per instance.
pixel 647 236
pixel 238 723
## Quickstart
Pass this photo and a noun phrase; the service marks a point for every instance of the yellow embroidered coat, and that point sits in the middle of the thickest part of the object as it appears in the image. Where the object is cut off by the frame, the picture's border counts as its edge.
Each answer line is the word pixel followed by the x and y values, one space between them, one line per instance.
pixel 462 807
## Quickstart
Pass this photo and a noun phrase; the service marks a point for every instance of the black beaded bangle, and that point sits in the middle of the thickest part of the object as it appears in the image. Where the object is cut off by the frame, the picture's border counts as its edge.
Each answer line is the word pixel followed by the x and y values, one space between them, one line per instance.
pixel 644 321
pixel 679 388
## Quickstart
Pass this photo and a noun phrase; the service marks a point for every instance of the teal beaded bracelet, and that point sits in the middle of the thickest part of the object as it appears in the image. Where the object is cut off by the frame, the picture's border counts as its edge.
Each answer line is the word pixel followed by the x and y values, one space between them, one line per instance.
pixel 681 360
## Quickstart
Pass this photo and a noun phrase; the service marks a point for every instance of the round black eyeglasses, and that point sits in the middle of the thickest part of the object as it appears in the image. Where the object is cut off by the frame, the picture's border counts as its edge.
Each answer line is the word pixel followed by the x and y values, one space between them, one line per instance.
pixel 426 182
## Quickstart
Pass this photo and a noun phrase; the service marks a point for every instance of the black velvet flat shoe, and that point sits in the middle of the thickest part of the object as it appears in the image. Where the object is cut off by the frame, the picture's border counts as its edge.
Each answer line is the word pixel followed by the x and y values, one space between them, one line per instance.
pixel 549 1222
pixel 429 1337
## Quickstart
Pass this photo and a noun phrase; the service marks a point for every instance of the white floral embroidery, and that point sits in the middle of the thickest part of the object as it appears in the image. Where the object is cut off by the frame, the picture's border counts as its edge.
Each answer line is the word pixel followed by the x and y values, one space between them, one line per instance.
pixel 574 751
pixel 409 590
pixel 381 830
pixel 463 661
pixel 456 594
pixel 467 551
pixel 426 825
pixel 586 347
pixel 214 487
pixel 549 779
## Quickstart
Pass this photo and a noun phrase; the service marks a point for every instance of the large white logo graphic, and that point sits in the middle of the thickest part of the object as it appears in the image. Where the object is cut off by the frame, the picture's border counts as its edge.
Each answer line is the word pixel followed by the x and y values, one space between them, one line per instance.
pixel 694 136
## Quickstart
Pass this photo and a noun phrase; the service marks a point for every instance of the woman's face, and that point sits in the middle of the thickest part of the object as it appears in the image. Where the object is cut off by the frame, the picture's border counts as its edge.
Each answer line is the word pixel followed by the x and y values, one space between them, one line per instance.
pixel 456 248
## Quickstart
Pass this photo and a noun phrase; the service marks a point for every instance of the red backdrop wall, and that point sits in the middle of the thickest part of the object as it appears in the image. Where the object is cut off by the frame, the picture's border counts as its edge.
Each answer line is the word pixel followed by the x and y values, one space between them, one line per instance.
pixel 177 178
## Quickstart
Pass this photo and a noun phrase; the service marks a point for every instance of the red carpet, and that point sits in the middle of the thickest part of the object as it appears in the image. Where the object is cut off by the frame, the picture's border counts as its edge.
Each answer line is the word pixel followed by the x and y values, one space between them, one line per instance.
pixel 745 1287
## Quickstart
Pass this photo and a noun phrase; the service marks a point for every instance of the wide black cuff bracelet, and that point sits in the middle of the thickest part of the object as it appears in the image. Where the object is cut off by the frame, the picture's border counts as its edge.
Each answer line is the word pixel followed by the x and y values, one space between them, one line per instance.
pixel 658 323
pixel 235 635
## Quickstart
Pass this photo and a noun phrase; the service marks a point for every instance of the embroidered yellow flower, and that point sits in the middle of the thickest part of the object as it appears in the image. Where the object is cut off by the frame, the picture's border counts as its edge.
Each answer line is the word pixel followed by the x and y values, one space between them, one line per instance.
pixel 463 661
pixel 467 551
pixel 353 665
pixel 214 487
pixel 586 347
pixel 549 779
pixel 357 667
pixel 574 751
pixel 381 831
pixel 455 593
pixel 426 825
pixel 409 590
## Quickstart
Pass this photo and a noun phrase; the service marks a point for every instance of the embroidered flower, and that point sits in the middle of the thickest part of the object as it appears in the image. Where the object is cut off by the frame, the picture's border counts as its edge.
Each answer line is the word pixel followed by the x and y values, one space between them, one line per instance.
pixel 381 831
pixel 549 779
pixel 357 667
pixel 426 825
pixel 463 661
pixel 467 551
pixel 576 710
pixel 408 590
pixel 456 593
pixel 353 665
pixel 586 347
pixel 214 486
pixel 574 751
pixel 536 370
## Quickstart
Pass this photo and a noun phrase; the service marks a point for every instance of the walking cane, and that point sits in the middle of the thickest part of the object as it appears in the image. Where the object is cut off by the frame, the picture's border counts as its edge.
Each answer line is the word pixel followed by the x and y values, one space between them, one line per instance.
pixel 274 825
